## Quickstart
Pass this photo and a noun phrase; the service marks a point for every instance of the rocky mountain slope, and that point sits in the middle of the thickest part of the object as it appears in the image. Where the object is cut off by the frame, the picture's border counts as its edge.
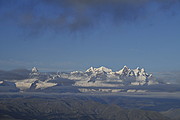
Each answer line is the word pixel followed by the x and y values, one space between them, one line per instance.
pixel 69 109
pixel 172 113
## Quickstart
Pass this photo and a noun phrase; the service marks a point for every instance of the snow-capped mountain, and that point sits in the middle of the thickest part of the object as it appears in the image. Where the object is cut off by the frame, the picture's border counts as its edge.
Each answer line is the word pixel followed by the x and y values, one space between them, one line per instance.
pixel 100 77
pixel 92 77
pixel 103 76
pixel 34 72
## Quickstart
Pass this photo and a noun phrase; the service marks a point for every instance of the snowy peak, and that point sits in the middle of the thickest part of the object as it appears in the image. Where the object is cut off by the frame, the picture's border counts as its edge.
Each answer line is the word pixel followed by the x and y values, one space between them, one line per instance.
pixel 91 69
pixel 104 69
pixel 137 71
pixel 34 70
pixel 125 67
pixel 125 70
pixel 100 69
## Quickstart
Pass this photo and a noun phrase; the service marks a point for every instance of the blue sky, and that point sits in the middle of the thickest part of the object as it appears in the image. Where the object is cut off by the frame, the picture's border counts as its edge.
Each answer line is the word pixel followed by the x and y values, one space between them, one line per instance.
pixel 68 35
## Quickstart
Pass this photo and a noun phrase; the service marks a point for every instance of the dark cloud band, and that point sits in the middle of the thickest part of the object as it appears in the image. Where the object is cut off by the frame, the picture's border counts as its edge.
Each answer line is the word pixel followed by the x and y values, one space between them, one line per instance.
pixel 75 14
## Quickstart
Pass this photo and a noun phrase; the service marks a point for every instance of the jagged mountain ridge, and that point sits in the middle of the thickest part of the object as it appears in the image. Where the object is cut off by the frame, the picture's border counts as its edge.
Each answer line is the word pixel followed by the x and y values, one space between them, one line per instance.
pixel 92 77
pixel 125 76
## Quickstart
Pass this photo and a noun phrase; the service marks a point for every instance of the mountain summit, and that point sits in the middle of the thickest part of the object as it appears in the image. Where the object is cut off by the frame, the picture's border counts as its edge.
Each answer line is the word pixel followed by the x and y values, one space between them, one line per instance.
pixel 100 69
pixel 34 70
pixel 103 76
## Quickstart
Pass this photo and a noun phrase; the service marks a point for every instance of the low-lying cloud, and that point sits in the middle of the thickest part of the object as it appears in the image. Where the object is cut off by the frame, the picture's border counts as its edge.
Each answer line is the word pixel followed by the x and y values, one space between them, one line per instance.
pixel 170 77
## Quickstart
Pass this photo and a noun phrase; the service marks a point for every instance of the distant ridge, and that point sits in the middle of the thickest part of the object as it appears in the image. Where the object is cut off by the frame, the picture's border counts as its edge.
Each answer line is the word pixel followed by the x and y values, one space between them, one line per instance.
pixel 79 80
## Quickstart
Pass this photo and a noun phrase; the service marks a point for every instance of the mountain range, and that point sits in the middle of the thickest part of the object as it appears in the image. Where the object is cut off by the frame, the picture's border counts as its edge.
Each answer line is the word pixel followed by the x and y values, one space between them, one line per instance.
pixel 105 79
